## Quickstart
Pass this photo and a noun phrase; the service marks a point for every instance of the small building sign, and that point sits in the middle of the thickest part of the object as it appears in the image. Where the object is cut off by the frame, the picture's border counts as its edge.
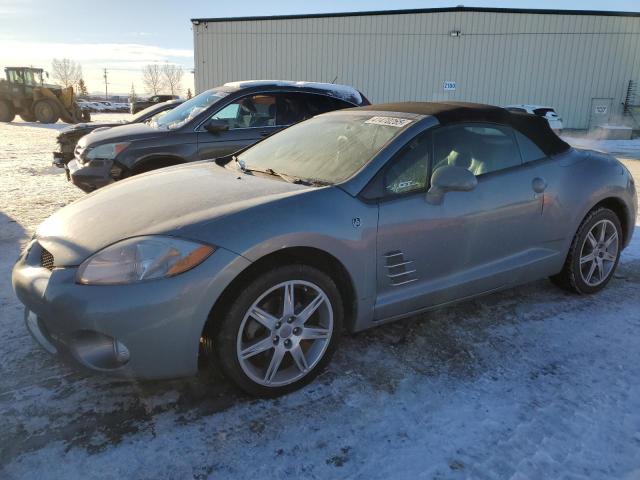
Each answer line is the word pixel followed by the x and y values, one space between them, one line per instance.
pixel 448 86
pixel 601 109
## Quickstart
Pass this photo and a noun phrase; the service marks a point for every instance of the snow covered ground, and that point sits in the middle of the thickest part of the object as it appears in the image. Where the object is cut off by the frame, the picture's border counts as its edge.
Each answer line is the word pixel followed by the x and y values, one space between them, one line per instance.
pixel 529 383
pixel 619 148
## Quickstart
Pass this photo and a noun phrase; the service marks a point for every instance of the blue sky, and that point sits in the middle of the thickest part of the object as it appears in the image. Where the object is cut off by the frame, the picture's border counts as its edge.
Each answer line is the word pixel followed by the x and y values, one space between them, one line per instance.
pixel 125 35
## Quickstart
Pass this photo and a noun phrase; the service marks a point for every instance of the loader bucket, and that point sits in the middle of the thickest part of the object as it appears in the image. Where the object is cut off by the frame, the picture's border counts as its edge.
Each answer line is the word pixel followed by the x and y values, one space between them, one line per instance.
pixel 69 112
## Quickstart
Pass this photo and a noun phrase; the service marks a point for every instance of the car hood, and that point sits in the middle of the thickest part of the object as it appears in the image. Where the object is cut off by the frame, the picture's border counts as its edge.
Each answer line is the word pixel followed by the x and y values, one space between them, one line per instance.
pixel 159 202
pixel 128 132
pixel 82 127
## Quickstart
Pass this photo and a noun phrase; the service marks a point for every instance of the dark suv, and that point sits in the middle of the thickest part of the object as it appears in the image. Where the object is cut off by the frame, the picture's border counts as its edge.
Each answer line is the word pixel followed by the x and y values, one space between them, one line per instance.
pixel 69 136
pixel 142 104
pixel 215 123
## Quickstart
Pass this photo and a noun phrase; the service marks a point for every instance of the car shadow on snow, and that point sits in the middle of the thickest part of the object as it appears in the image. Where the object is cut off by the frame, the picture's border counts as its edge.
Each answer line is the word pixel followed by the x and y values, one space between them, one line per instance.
pixel 12 238
pixel 47 126
pixel 44 170
pixel 11 235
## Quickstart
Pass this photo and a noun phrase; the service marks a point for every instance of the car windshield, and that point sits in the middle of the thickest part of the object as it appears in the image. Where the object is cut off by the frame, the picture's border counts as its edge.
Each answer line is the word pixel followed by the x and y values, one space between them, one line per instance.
pixel 190 109
pixel 327 149
pixel 143 113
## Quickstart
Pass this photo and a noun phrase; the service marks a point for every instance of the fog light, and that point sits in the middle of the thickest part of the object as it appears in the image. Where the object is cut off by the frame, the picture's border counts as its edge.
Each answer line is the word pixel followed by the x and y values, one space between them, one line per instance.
pixel 121 352
pixel 38 331
pixel 98 351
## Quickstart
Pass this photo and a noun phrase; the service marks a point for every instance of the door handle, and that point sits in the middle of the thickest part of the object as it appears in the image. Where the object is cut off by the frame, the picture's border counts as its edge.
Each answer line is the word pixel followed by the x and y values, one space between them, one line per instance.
pixel 539 184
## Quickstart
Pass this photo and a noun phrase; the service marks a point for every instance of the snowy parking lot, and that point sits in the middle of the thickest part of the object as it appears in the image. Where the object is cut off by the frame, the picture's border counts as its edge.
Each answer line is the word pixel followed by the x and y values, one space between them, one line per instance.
pixel 529 383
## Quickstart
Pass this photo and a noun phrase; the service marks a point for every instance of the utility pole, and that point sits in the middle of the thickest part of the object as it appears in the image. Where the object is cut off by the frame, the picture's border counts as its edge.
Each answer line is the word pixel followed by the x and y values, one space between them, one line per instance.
pixel 106 96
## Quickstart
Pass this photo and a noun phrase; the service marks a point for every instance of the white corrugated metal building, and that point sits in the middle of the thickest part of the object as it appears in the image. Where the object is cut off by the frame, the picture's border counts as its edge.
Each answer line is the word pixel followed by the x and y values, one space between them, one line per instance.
pixel 580 62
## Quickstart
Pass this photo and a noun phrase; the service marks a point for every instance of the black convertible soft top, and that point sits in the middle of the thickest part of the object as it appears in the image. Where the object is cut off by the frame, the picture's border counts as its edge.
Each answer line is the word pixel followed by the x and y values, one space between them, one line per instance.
pixel 533 126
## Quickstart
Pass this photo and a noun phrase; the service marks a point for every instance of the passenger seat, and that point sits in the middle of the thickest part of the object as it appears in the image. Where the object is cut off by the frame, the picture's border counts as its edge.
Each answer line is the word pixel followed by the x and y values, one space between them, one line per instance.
pixel 464 159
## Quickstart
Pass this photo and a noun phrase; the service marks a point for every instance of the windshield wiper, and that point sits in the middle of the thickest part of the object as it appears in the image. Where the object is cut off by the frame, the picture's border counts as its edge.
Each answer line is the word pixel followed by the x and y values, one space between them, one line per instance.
pixel 283 176
pixel 273 173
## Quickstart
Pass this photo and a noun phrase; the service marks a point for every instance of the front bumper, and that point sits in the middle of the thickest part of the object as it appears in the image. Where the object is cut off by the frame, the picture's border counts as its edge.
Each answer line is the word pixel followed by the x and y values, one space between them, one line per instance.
pixel 60 159
pixel 63 155
pixel 91 176
pixel 145 330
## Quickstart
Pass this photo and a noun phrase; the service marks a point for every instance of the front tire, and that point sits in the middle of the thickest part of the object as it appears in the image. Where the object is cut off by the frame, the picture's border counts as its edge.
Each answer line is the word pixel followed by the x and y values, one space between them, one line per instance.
pixel 594 253
pixel 46 111
pixel 281 330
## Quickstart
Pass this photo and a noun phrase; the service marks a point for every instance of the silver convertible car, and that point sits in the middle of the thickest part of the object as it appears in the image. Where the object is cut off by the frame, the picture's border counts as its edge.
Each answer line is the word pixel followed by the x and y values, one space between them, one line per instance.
pixel 258 260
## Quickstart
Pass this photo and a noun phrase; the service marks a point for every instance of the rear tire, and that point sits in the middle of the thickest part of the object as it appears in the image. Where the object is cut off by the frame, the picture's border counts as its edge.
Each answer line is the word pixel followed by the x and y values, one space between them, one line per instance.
pixel 46 111
pixel 7 112
pixel 291 342
pixel 594 253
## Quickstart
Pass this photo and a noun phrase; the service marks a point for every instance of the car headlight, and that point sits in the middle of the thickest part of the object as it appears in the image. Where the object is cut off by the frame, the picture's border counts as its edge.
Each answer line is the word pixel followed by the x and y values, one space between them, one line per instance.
pixel 108 151
pixel 142 258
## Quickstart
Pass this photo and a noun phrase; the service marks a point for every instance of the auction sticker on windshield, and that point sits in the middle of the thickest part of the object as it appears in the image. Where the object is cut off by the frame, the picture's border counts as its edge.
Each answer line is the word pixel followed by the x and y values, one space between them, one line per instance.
pixel 389 121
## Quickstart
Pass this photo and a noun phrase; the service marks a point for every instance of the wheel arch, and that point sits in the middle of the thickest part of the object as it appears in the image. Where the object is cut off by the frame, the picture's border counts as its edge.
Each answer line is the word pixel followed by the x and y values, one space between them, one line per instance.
pixel 311 256
pixel 166 160
pixel 617 206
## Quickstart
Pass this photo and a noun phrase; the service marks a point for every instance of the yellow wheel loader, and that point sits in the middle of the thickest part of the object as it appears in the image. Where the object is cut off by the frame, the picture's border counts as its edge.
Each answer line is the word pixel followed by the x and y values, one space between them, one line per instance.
pixel 24 93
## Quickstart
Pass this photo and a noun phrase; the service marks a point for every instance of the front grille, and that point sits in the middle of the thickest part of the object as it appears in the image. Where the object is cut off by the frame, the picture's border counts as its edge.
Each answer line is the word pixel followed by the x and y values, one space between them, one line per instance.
pixel 77 153
pixel 46 259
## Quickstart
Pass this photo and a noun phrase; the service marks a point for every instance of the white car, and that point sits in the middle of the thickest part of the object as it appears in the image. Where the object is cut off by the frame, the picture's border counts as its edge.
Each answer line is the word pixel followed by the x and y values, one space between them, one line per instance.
pixel 122 107
pixel 555 122
pixel 98 106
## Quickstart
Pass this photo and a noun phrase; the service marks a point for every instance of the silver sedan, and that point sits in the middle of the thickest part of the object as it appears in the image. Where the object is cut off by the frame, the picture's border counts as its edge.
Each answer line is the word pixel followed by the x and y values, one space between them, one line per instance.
pixel 259 260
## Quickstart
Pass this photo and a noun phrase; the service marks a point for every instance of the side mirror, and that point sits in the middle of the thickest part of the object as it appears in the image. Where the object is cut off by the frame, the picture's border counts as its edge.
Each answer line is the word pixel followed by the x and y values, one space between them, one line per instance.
pixel 450 178
pixel 216 126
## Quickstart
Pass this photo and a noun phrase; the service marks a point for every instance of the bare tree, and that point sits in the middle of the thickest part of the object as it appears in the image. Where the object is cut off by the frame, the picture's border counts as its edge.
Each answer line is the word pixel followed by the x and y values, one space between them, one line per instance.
pixel 152 78
pixel 172 75
pixel 67 72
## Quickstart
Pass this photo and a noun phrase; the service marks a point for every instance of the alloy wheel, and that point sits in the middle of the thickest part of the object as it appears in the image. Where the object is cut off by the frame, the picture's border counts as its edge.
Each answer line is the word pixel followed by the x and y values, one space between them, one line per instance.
pixel 599 253
pixel 285 333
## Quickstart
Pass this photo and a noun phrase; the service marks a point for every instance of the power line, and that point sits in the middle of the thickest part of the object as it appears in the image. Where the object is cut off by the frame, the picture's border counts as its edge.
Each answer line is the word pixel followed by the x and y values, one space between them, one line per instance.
pixel 139 69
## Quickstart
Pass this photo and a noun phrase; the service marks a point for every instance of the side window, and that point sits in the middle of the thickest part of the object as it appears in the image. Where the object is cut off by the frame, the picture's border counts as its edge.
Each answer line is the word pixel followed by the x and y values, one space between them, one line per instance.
pixel 529 150
pixel 408 170
pixel 228 113
pixel 297 107
pixel 254 111
pixel 317 104
pixel 291 108
pixel 481 148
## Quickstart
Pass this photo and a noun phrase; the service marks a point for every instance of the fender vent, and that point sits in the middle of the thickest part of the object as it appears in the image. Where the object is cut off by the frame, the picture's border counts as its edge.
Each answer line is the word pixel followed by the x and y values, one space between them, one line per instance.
pixel 399 270
pixel 46 259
